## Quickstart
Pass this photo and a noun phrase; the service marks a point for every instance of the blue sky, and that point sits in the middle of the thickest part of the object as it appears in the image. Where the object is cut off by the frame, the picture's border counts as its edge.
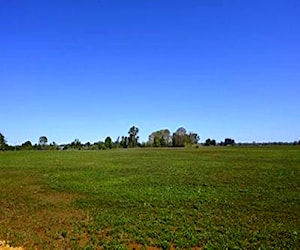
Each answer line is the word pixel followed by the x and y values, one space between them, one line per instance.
pixel 90 69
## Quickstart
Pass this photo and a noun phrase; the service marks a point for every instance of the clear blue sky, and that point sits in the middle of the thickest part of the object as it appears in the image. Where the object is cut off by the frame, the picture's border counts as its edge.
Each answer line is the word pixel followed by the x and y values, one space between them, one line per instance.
pixel 90 69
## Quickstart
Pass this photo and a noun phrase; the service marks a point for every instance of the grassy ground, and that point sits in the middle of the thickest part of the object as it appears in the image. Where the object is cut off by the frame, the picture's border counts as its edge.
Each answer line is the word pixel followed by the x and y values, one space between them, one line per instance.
pixel 229 197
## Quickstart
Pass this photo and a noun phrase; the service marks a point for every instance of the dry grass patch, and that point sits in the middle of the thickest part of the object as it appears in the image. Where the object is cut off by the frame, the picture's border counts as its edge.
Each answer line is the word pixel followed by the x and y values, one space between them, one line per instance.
pixel 39 219
pixel 5 246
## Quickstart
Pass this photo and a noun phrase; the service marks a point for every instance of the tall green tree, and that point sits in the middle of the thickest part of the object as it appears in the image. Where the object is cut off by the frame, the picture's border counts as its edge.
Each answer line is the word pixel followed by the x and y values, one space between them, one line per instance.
pixel 179 137
pixel 3 144
pixel 124 143
pixel 207 142
pixel 43 140
pixel 182 139
pixel 160 138
pixel 133 136
pixel 108 142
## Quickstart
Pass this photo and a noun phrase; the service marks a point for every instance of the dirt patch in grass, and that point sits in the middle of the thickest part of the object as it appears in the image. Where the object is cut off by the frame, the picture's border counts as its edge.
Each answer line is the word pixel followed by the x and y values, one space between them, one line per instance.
pixel 39 219
pixel 5 246
pixel 134 246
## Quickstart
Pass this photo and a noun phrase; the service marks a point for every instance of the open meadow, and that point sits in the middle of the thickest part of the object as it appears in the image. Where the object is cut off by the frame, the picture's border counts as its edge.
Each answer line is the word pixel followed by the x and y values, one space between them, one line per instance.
pixel 205 198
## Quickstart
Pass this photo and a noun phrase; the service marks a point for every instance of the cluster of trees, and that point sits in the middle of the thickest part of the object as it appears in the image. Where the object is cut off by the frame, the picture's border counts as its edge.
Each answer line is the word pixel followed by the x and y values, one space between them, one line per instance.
pixel 210 142
pixel 180 138
pixel 160 138
pixel 132 140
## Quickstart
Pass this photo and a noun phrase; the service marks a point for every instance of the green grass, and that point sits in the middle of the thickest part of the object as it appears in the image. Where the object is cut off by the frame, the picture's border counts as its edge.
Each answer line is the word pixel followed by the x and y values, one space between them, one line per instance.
pixel 223 197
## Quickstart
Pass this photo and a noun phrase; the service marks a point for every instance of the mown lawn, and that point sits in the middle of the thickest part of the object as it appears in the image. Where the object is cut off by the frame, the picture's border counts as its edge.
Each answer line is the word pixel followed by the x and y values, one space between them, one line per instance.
pixel 206 198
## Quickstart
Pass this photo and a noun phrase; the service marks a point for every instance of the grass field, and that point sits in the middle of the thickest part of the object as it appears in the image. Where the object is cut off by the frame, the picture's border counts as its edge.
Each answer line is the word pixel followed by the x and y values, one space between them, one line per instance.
pixel 206 198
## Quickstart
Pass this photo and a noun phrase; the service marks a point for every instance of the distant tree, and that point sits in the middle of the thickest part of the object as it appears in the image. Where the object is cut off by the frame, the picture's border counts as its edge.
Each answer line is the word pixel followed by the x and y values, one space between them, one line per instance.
pixel 53 146
pixel 133 136
pixel 124 143
pixel 187 141
pixel 76 144
pixel 160 138
pixel 228 141
pixel 179 137
pixel 87 145
pixel 108 142
pixel 101 145
pixel 207 142
pixel 3 144
pixel 43 142
pixel 165 138
pixel 157 141
pixel 27 146
pixel 194 138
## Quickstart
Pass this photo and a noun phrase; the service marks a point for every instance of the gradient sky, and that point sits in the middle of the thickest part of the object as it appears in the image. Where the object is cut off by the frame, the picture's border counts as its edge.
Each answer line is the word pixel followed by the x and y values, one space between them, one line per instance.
pixel 90 69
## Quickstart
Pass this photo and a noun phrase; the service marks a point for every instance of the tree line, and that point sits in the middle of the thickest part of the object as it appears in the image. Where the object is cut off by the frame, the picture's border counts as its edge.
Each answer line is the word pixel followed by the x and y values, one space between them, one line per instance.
pixel 159 138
